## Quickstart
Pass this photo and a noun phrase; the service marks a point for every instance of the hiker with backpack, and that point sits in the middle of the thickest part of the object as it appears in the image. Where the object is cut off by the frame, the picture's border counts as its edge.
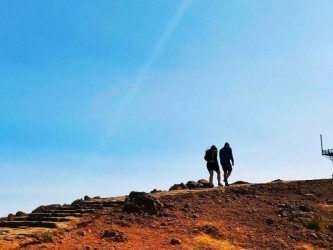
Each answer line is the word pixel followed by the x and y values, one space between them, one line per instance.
pixel 225 158
pixel 213 165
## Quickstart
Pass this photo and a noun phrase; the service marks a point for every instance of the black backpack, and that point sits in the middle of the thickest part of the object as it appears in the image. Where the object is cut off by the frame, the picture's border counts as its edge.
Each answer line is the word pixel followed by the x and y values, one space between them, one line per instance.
pixel 208 155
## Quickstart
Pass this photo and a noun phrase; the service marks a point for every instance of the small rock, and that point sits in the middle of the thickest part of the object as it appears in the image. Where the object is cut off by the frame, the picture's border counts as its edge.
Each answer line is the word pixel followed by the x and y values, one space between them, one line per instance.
pixel 330 227
pixel 169 205
pixel 123 224
pixel 178 187
pixel 10 217
pixel 211 230
pixel 186 205
pixel 269 221
pixel 20 213
pixel 204 183
pixel 155 191
pixel 193 185
pixel 281 205
pixel 310 196
pixel 195 216
pixel 81 233
pixel 289 206
pixel 87 198
pixel 304 208
pixel 314 235
pixel 175 242
pixel 114 235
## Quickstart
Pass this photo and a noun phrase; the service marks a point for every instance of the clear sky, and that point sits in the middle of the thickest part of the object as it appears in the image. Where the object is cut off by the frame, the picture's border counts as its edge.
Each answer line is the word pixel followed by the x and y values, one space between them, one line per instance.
pixel 105 97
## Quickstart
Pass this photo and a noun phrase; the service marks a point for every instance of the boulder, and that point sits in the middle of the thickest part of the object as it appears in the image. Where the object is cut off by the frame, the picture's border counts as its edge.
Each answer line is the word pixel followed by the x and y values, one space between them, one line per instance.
pixel 211 230
pixel 193 185
pixel 114 235
pixel 155 191
pixel 240 183
pixel 178 187
pixel 77 202
pixel 141 202
pixel 175 241
pixel 204 183
pixel 87 198
pixel 10 217
pixel 20 213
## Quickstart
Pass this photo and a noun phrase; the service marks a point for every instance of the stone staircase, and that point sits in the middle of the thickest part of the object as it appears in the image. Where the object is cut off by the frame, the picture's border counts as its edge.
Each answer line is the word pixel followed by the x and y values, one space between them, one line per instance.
pixel 58 216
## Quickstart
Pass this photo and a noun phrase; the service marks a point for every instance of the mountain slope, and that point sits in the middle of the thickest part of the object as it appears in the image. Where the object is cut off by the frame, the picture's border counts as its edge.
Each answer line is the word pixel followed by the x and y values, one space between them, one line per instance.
pixel 276 215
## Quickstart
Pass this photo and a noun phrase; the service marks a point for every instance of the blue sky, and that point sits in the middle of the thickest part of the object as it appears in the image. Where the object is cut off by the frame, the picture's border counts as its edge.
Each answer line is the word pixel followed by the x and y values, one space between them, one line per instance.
pixel 106 97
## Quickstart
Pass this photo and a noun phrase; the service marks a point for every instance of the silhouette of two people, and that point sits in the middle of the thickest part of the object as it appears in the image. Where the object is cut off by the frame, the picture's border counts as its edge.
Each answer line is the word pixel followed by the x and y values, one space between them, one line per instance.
pixel 226 159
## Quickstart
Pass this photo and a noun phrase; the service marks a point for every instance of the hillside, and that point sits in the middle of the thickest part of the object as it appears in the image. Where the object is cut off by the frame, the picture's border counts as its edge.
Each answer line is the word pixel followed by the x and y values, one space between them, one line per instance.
pixel 275 215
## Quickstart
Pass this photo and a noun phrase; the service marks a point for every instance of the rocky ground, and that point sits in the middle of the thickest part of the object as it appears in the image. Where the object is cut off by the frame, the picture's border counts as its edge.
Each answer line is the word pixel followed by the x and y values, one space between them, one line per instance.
pixel 276 215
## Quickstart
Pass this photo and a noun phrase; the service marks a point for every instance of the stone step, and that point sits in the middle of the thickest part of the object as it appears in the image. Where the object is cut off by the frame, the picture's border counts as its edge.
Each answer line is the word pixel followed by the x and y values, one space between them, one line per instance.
pixel 90 205
pixel 112 203
pixel 67 207
pixel 67 211
pixel 16 224
pixel 54 219
pixel 73 211
pixel 45 215
pixel 100 204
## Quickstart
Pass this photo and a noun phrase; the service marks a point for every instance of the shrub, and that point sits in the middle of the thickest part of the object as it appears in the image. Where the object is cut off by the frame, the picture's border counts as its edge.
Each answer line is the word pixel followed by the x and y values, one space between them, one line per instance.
pixel 316 224
pixel 45 236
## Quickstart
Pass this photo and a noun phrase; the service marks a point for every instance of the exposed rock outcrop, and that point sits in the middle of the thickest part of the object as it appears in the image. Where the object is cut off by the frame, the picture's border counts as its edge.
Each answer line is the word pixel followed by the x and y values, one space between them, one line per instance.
pixel 141 202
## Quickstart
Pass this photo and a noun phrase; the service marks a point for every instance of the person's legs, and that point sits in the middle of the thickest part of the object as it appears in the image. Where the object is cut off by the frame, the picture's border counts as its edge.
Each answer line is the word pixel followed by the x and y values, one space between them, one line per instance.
pixel 211 173
pixel 225 175
pixel 226 171
pixel 219 178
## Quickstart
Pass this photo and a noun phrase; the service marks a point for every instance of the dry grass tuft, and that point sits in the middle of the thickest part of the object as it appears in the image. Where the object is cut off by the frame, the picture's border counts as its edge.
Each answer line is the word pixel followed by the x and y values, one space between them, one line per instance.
pixel 304 246
pixel 207 240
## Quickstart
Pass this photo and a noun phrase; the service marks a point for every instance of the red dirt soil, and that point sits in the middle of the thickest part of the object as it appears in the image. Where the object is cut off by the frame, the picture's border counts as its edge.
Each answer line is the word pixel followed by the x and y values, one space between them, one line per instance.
pixel 276 215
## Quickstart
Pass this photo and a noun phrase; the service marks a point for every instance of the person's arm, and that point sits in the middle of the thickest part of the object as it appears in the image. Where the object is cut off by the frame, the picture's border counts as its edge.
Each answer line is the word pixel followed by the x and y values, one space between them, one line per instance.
pixel 215 156
pixel 232 157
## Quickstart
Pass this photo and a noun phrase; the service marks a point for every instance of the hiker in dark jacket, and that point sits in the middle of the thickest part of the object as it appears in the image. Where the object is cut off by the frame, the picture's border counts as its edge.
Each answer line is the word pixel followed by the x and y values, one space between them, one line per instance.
pixel 225 158
pixel 213 165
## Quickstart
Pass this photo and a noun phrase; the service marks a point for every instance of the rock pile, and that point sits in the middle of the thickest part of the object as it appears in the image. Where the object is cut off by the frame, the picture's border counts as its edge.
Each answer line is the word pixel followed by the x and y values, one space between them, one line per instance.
pixel 141 202
pixel 202 183
pixel 308 215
